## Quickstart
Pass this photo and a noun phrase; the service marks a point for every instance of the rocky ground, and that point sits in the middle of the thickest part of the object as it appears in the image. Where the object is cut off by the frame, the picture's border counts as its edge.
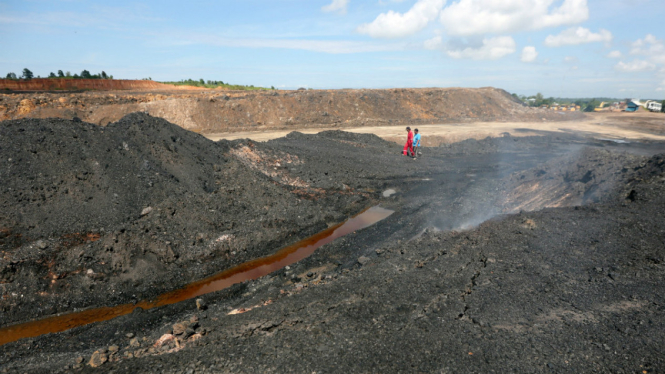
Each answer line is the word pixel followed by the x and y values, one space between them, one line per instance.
pixel 569 281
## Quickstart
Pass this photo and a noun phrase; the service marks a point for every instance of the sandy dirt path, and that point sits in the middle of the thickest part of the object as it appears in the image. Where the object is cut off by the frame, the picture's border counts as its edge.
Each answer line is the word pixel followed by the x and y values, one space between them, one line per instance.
pixel 612 125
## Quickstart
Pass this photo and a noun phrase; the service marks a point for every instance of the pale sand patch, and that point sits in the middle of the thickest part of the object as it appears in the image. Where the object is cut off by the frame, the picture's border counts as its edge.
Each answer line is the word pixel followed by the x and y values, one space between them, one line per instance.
pixel 619 126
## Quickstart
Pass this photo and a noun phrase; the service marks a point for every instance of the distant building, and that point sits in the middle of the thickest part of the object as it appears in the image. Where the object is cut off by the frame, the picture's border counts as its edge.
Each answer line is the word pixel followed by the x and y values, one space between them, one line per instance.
pixel 631 107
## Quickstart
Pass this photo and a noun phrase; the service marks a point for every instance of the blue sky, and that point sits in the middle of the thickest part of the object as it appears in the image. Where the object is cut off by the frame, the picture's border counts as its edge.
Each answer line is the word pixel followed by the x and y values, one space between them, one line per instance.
pixel 563 48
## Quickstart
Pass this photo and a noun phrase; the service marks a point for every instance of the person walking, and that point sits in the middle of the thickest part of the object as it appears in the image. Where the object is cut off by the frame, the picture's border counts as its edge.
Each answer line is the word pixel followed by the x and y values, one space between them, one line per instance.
pixel 408 147
pixel 416 142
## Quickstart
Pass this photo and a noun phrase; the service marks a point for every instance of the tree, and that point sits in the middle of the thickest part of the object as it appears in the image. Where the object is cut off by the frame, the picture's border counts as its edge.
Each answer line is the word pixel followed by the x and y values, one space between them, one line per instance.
pixel 61 74
pixel 27 74
pixel 539 97
pixel 11 76
pixel 85 74
pixel 68 74
pixel 589 108
pixel 662 106
pixel 51 75
pixel 201 81
pixel 104 76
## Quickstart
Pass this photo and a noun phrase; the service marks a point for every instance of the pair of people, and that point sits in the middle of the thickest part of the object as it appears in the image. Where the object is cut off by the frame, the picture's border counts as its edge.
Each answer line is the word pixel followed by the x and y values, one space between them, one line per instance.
pixel 412 143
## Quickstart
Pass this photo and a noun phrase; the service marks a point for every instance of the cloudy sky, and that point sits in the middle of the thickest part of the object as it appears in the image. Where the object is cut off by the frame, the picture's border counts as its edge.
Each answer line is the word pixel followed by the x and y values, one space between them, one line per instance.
pixel 564 48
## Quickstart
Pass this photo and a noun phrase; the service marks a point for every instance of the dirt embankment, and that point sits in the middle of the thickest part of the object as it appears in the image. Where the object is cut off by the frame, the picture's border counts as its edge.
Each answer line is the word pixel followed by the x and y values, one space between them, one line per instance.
pixel 91 211
pixel 48 84
pixel 214 111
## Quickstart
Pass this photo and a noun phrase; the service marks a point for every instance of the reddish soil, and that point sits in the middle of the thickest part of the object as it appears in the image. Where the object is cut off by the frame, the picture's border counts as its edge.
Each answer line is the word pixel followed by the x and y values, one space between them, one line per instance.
pixel 46 84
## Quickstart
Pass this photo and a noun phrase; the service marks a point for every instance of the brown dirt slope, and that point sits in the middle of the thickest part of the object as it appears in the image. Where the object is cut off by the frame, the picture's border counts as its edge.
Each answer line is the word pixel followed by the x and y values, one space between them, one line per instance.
pixel 46 84
pixel 214 111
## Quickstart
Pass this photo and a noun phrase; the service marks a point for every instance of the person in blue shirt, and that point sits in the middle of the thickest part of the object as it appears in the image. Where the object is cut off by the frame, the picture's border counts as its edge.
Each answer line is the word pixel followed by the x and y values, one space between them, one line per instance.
pixel 416 143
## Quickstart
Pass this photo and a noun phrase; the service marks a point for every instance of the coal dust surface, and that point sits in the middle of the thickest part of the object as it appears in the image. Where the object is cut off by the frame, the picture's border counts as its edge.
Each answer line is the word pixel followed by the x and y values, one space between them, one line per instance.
pixel 532 254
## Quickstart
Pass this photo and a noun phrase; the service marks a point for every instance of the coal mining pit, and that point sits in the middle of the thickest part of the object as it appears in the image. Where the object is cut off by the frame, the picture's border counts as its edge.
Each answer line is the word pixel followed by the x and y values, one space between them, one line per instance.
pixel 527 254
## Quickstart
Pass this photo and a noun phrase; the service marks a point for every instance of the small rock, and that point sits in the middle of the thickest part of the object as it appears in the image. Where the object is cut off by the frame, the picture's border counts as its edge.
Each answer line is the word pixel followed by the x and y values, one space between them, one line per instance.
pixel 41 244
pixel 200 304
pixel 129 335
pixel 114 348
pixel 310 274
pixel 79 360
pixel 179 328
pixel 134 342
pixel 188 332
pixel 362 260
pixel 146 211
pixel 97 359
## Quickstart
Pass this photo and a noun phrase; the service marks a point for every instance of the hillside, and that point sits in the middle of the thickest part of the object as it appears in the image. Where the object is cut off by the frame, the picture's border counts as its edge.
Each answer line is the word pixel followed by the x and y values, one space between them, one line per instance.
pixel 213 111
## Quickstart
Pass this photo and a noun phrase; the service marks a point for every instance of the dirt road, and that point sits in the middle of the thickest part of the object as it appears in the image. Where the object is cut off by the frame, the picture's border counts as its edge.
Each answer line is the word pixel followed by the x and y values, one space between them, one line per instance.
pixel 609 125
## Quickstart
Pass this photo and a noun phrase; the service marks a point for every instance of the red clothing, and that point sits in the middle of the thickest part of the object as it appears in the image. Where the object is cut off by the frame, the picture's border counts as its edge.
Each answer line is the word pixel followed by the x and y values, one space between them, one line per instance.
pixel 408 147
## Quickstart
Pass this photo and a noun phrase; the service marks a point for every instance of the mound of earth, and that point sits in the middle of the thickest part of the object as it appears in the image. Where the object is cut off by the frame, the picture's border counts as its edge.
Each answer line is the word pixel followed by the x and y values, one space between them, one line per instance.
pixel 109 215
pixel 215 111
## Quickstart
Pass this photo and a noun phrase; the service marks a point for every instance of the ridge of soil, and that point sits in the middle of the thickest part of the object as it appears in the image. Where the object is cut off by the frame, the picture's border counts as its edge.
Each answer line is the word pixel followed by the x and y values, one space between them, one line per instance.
pixel 215 111
pixel 54 84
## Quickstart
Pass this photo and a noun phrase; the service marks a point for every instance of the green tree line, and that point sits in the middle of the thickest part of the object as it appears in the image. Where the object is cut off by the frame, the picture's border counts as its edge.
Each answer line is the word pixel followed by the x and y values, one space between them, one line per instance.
pixel 85 74
pixel 215 84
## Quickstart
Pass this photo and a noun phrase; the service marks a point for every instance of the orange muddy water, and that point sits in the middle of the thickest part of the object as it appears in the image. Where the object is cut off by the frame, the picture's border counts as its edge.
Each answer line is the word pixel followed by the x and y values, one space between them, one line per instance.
pixel 247 271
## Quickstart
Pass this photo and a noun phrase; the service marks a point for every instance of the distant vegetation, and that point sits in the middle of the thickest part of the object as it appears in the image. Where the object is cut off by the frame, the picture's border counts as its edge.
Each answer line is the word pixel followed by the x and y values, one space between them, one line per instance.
pixel 27 75
pixel 216 84
pixel 85 74
pixel 587 104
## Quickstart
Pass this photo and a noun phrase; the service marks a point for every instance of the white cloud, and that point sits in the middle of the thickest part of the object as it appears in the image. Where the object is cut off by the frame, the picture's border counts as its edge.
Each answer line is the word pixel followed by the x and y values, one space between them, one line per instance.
pixel 529 54
pixel 579 35
pixel 338 6
pixel 651 47
pixel 479 17
pixel 635 66
pixel 433 43
pixel 396 25
pixel 491 49
pixel 615 54
pixel 570 59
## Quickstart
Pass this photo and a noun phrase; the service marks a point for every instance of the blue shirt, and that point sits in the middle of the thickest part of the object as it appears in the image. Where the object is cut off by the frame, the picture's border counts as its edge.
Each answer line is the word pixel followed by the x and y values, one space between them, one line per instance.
pixel 416 140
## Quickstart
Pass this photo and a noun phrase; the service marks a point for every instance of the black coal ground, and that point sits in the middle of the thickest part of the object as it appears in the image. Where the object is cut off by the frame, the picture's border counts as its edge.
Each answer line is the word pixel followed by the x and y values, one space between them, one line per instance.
pixel 568 289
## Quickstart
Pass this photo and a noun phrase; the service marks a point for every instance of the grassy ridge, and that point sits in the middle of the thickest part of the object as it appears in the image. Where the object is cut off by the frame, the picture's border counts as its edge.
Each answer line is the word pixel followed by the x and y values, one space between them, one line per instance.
pixel 216 84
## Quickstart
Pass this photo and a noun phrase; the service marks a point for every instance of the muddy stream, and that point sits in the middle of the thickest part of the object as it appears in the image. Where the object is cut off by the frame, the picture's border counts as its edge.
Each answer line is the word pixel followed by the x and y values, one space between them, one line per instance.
pixel 250 270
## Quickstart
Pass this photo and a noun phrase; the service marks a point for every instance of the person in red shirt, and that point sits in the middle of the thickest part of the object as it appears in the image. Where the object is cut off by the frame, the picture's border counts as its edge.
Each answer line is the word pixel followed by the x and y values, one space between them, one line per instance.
pixel 408 147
